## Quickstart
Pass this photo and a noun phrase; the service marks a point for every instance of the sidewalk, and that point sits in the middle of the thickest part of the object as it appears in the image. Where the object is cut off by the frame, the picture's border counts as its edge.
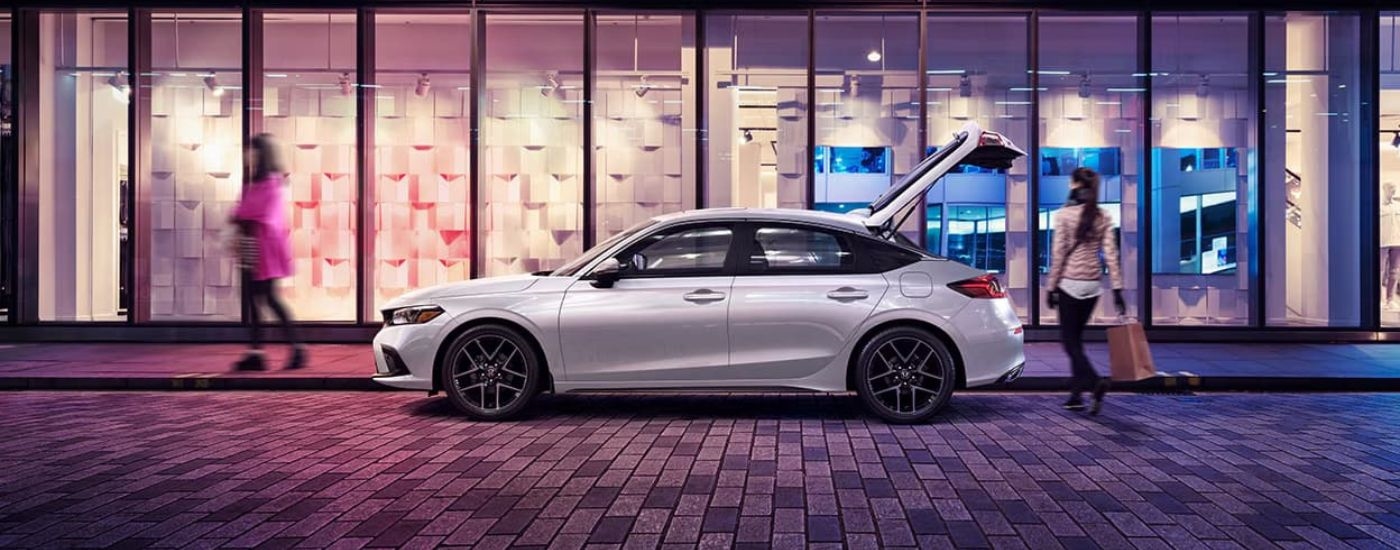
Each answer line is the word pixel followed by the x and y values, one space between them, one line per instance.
pixel 1206 366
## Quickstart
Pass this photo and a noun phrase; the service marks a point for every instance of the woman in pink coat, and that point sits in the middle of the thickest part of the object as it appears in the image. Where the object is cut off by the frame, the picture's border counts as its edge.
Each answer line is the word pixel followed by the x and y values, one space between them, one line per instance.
pixel 266 249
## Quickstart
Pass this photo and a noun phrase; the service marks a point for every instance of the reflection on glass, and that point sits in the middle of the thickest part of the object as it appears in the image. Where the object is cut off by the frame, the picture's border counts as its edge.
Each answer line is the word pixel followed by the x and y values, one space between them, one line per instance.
pixel 531 189
pixel 867 105
pixel 1389 201
pixel 196 170
pixel 309 87
pixel 1203 139
pixel 8 254
pixel 644 139
pixel 421 190
pixel 971 78
pixel 84 181
pixel 976 236
pixel 1091 104
pixel 1313 94
pixel 756 109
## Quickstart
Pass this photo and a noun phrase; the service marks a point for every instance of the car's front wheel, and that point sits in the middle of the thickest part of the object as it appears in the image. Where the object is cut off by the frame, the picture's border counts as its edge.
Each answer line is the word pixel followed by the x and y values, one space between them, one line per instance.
pixel 905 375
pixel 490 372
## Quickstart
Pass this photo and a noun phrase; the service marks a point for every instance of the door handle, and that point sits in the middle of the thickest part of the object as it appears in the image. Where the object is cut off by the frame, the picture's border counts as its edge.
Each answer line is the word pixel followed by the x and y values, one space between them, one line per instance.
pixel 704 295
pixel 848 293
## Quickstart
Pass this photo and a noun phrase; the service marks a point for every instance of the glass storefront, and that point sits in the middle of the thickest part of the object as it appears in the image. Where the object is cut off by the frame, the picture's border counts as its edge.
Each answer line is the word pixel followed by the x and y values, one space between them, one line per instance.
pixel 1091 92
pixel 981 217
pixel 505 142
pixel 756 104
pixel 196 168
pixel 420 195
pixel 310 82
pixel 84 189
pixel 1203 158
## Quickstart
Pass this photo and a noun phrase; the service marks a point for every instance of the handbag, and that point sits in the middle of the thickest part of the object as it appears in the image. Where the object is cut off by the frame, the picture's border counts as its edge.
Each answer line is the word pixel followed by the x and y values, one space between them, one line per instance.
pixel 247 249
pixel 1129 357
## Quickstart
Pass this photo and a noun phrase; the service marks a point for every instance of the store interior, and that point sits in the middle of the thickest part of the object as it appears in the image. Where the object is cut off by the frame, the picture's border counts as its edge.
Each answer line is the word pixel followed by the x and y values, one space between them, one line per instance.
pixel 865 103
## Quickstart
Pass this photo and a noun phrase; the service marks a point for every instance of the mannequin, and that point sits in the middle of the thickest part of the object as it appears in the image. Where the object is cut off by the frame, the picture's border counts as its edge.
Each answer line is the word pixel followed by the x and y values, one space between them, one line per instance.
pixel 1390 245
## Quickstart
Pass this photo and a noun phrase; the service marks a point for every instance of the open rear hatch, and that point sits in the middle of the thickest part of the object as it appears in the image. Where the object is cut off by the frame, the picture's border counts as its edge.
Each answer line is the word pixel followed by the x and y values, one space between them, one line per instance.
pixel 970 146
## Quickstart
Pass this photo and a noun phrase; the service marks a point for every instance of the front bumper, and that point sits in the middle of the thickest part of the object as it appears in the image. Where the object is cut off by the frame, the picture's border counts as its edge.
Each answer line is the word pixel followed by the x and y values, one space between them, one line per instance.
pixel 404 357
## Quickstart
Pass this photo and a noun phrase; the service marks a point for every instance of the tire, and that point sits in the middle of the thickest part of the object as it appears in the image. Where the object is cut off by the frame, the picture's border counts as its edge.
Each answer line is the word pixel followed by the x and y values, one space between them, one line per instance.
pixel 905 375
pixel 491 372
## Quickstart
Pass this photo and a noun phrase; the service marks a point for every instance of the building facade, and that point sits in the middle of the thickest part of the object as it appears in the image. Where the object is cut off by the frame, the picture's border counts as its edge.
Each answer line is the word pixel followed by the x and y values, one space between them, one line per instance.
pixel 1251 158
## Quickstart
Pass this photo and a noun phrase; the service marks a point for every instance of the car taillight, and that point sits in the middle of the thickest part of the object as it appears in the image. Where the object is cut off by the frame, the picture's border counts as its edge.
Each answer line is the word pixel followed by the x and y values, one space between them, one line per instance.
pixel 982 286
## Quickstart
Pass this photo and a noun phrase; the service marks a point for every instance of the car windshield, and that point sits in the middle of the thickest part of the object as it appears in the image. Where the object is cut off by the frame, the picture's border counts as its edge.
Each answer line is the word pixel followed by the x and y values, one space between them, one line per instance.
pixel 570 269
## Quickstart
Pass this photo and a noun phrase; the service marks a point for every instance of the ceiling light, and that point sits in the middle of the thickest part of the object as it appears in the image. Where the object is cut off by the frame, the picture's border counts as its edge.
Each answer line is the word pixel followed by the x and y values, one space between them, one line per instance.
pixel 746 137
pixel 874 56
pixel 1084 90
pixel 1203 88
pixel 423 85
pixel 212 83
pixel 643 88
pixel 347 86
pixel 965 86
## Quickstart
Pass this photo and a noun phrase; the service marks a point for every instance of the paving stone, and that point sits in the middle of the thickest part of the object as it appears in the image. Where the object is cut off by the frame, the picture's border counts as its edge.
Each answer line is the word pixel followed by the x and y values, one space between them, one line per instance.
pixel 350 470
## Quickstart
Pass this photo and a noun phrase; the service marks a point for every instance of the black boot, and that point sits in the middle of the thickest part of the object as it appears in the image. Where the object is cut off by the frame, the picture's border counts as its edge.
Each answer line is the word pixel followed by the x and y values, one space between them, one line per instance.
pixel 1099 389
pixel 298 359
pixel 1075 403
pixel 253 361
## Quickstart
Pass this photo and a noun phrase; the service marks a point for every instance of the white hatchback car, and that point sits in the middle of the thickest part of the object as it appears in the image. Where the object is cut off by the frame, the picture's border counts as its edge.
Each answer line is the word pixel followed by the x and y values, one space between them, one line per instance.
pixel 728 298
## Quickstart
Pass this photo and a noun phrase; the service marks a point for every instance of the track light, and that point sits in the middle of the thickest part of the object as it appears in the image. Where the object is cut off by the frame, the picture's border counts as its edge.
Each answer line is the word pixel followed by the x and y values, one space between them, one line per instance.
pixel 347 87
pixel 121 88
pixel 965 86
pixel 874 56
pixel 212 83
pixel 1395 142
pixel 424 84
pixel 1203 88
pixel 1085 91
pixel 551 85
pixel 746 137
pixel 642 89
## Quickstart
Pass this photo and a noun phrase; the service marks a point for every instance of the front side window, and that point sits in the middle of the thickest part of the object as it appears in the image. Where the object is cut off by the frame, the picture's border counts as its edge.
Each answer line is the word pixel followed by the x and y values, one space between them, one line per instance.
pixel 799 250
pixel 685 251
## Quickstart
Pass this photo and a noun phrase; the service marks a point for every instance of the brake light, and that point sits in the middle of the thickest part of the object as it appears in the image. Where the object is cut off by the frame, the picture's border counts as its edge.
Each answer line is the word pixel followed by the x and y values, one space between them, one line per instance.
pixel 991 138
pixel 982 286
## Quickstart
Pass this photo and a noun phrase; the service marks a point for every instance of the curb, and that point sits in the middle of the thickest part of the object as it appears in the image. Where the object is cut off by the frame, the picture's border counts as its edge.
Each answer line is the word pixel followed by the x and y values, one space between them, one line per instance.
pixel 1159 384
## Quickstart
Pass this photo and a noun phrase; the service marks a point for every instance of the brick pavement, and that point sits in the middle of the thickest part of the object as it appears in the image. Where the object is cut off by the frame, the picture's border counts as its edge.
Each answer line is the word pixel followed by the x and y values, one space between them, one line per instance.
pixel 349 469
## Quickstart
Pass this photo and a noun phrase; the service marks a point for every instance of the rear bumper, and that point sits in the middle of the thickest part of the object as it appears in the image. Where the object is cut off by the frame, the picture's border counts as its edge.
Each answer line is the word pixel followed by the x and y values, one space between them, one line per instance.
pixel 992 342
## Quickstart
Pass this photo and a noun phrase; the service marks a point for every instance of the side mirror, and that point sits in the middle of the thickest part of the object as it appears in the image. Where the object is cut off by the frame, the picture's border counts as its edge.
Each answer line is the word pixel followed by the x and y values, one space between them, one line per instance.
pixel 606 274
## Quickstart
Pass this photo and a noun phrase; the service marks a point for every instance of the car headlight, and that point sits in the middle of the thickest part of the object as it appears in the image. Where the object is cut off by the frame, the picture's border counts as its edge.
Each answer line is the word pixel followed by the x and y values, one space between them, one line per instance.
pixel 412 315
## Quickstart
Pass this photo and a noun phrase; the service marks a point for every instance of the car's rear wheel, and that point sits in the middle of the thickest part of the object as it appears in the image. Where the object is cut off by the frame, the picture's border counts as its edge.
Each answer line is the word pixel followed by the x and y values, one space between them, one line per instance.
pixel 905 375
pixel 491 372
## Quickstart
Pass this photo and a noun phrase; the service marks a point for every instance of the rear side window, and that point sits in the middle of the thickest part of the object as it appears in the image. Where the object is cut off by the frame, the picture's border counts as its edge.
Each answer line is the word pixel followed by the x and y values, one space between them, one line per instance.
pixel 881 257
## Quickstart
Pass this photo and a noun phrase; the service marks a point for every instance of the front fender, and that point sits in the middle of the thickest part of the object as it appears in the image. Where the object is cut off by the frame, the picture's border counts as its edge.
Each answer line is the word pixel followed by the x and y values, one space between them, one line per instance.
pixel 536 314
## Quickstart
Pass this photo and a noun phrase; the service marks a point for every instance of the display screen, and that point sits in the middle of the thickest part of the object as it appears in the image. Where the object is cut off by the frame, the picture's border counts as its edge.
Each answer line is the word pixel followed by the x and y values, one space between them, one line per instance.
pixel 851 160
pixel 1062 161
pixel 1209 159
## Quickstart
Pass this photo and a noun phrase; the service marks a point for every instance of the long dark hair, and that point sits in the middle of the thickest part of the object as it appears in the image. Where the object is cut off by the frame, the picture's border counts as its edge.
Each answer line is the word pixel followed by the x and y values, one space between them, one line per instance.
pixel 1086 193
pixel 269 157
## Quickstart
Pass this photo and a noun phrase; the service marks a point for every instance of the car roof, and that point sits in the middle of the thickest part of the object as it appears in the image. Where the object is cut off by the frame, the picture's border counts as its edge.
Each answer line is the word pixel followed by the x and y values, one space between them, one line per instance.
pixel 831 219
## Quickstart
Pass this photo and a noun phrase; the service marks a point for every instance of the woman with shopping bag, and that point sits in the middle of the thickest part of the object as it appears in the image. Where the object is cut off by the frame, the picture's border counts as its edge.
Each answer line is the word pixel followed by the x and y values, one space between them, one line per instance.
pixel 1083 244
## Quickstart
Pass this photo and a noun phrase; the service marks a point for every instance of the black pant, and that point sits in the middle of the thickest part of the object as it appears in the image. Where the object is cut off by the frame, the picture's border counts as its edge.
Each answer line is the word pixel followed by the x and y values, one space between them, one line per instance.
pixel 265 293
pixel 1074 315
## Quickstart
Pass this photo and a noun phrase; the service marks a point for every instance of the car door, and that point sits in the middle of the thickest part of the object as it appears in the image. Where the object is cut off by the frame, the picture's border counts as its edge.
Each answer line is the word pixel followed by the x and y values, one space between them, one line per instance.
pixel 664 320
pixel 799 295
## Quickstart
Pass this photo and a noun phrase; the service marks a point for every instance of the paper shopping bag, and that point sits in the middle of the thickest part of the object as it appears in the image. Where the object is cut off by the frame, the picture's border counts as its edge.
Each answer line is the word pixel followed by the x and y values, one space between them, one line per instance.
pixel 1129 358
